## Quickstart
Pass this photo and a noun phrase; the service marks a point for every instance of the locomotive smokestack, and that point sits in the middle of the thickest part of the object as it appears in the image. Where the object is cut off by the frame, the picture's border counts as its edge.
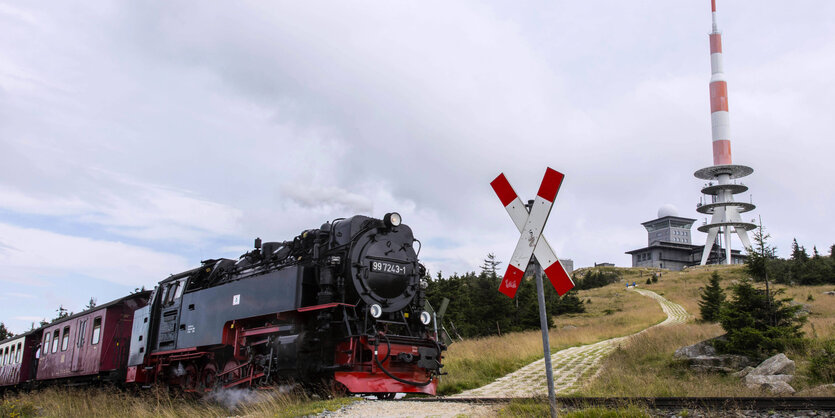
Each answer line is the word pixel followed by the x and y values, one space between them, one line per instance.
pixel 257 243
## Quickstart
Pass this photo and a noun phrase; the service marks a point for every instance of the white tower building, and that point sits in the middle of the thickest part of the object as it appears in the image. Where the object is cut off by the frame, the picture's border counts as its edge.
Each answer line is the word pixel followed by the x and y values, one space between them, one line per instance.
pixel 719 202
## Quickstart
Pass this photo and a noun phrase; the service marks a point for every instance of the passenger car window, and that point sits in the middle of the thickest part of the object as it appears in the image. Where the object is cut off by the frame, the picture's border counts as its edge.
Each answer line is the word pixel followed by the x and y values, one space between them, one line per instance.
pixel 96 331
pixel 19 352
pixel 55 337
pixel 12 356
pixel 46 336
pixel 65 341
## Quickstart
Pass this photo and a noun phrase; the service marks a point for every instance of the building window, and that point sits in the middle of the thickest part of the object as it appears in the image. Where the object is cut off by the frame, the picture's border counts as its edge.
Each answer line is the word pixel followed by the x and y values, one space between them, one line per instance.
pixel 96 331
pixel 55 338
pixel 65 341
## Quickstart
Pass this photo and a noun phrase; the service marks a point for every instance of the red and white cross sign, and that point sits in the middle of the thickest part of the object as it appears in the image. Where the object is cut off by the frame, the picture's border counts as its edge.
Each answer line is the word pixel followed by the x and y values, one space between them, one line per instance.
pixel 530 225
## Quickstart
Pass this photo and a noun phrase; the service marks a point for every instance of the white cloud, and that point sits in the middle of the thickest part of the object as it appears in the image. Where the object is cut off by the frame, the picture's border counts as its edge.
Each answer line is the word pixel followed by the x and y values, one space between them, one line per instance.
pixel 167 124
pixel 43 255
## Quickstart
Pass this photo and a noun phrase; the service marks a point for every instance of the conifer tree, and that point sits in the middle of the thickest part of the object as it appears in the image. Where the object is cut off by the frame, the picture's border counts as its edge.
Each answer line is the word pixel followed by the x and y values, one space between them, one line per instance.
pixel 758 324
pixel 712 299
pixel 4 332
pixel 798 252
pixel 62 313
pixel 490 265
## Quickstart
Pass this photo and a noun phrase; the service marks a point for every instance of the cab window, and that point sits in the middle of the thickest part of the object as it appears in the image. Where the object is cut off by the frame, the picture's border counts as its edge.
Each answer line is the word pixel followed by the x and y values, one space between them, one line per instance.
pixel 96 331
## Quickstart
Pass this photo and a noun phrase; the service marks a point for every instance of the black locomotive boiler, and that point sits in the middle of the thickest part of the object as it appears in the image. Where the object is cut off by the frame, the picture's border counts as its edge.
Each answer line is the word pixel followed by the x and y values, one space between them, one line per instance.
pixel 342 304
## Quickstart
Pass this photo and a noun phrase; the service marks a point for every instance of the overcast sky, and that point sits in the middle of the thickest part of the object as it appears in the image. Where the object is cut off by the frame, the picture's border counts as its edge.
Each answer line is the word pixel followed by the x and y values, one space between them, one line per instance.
pixel 137 138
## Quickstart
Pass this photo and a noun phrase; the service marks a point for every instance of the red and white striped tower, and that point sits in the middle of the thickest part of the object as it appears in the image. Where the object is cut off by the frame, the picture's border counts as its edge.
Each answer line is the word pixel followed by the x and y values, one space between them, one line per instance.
pixel 720 203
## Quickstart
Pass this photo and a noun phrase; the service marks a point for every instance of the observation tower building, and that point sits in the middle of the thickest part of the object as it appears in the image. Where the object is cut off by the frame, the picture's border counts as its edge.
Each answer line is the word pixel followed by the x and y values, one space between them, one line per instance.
pixel 718 193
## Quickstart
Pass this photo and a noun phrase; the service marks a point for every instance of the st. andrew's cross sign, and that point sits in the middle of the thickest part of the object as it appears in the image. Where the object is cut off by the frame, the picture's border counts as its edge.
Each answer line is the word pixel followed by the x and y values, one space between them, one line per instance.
pixel 530 222
pixel 530 225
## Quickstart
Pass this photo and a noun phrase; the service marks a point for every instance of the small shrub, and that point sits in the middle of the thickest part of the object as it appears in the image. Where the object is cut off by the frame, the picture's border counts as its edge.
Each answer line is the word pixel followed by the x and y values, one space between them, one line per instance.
pixel 15 408
pixel 712 299
pixel 649 281
pixel 810 298
pixel 822 362
pixel 655 278
pixel 758 325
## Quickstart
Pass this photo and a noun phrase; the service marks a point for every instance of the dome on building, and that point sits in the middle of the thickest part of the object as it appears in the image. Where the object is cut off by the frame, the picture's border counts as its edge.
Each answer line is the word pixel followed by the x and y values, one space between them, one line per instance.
pixel 667 210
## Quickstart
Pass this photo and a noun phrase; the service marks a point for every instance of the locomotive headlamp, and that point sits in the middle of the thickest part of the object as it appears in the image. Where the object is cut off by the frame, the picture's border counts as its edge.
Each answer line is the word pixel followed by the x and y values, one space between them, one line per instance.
pixel 375 310
pixel 425 318
pixel 392 219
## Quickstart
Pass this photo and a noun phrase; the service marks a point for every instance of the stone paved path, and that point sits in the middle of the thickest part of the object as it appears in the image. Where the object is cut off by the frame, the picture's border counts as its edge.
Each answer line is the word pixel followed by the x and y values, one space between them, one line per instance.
pixel 571 365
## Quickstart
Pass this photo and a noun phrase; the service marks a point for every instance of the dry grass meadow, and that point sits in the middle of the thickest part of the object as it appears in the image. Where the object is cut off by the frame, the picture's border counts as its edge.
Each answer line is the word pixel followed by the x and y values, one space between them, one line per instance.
pixel 611 311
pixel 645 366
pixel 110 402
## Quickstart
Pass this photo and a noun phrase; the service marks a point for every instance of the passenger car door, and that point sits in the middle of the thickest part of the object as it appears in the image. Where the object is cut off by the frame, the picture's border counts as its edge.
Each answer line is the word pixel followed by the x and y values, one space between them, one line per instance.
pixel 79 346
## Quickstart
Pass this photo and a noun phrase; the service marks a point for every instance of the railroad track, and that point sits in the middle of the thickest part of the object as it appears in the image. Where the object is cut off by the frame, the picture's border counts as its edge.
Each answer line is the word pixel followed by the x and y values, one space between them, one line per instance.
pixel 674 403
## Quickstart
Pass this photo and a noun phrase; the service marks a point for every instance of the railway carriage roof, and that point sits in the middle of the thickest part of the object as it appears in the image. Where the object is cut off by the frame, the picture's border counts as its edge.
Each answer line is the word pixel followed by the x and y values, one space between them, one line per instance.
pixel 19 336
pixel 146 293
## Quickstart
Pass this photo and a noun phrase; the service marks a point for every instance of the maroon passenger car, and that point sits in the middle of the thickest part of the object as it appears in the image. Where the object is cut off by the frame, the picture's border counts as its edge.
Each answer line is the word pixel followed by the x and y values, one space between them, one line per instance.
pixel 92 344
pixel 17 359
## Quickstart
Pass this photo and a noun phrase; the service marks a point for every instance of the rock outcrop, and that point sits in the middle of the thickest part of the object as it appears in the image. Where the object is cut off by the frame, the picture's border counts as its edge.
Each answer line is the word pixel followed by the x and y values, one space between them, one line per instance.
pixel 773 375
pixel 702 356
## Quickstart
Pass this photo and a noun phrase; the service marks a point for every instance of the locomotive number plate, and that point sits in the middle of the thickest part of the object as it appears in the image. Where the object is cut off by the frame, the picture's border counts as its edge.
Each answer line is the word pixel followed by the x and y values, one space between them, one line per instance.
pixel 385 267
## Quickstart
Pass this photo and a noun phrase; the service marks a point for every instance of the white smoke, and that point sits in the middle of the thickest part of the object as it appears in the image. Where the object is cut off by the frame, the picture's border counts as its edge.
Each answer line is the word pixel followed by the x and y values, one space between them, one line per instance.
pixel 179 371
pixel 234 397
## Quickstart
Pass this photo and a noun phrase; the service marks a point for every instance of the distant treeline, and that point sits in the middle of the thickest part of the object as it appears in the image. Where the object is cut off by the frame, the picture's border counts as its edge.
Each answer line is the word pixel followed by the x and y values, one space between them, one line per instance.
pixel 801 268
pixel 477 308
pixel 598 277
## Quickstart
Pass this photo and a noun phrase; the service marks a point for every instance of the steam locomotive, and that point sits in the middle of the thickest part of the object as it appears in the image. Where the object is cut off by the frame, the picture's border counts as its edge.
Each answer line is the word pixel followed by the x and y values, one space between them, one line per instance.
pixel 341 306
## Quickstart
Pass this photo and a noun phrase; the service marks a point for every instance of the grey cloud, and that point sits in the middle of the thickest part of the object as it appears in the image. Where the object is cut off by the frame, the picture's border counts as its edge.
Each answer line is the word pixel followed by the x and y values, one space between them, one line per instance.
pixel 415 107
pixel 317 197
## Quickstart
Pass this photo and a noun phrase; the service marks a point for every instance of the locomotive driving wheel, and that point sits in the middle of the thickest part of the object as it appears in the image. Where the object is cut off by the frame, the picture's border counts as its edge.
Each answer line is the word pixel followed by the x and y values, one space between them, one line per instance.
pixel 208 377
pixel 231 372
pixel 190 378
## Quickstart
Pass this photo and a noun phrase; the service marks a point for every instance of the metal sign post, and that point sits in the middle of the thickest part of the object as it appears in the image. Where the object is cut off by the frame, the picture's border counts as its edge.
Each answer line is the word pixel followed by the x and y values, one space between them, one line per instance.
pixel 530 221
pixel 546 345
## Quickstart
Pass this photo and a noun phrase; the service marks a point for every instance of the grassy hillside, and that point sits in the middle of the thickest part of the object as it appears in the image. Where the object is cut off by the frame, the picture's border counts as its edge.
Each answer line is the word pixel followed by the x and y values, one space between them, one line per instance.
pixel 645 367
pixel 610 312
